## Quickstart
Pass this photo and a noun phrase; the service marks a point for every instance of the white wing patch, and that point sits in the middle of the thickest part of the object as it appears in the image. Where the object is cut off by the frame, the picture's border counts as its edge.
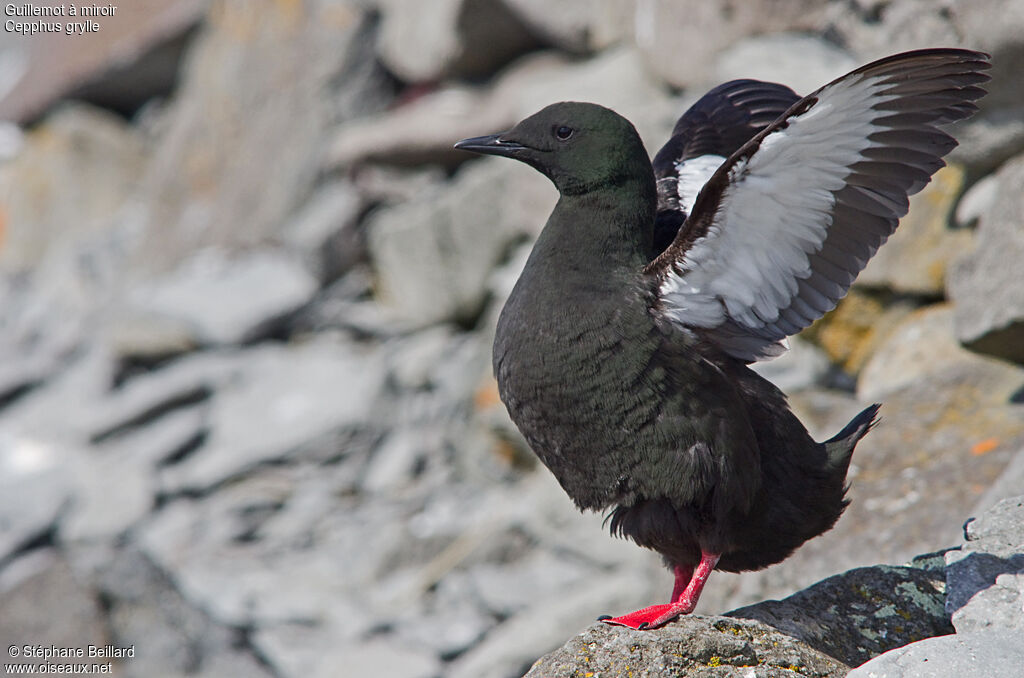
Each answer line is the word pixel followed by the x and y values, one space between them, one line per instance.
pixel 692 174
pixel 775 211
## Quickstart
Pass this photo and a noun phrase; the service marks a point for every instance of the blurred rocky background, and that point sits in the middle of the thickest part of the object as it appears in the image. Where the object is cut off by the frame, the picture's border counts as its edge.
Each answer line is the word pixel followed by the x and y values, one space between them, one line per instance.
pixel 247 419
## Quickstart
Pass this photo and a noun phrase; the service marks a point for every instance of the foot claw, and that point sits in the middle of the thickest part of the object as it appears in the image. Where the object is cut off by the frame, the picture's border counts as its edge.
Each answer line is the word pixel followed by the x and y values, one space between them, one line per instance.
pixel 604 617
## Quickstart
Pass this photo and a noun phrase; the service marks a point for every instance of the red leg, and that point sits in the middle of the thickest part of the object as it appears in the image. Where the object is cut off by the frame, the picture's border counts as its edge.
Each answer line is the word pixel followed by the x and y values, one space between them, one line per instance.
pixel 684 573
pixel 684 597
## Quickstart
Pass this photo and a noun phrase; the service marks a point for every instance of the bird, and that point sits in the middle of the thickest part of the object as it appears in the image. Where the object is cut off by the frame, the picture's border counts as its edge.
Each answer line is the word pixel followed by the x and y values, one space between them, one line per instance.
pixel 623 351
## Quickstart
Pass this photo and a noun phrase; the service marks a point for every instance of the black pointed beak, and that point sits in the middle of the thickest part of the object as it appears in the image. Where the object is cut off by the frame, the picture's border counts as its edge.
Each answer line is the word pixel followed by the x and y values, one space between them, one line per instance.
pixel 491 144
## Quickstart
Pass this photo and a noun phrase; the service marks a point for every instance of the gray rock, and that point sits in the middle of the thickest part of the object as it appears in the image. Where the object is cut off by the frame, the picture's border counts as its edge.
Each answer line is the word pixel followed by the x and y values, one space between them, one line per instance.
pixel 690 647
pixel 821 631
pixel 681 41
pixel 424 130
pixel 227 299
pixel 376 657
pixel 804 365
pixel 49 606
pixel 802 62
pixel 514 644
pixel 170 636
pixel 116 483
pixel 915 258
pixel 35 487
pixel 433 256
pixel 324 231
pixel 977 200
pixel 993 654
pixel 275 400
pixel 420 42
pixel 568 25
pixel 984 285
pixel 989 139
pixel 236 156
pixel 861 613
pixel 985 577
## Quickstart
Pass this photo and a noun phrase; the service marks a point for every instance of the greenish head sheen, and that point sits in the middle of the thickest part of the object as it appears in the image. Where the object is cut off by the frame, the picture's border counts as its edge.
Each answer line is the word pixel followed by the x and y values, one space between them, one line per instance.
pixel 581 147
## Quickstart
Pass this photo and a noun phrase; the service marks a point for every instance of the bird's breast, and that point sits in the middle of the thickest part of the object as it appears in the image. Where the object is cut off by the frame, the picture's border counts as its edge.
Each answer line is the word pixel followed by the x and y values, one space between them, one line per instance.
pixel 577 374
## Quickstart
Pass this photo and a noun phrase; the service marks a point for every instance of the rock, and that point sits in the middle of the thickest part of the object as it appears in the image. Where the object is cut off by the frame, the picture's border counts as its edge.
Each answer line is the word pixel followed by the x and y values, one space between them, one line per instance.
pixel 116 484
pixel 800 61
pixel 682 40
pixel 170 636
pixel 1007 485
pixel 433 256
pixel 452 38
pixel 424 130
pixel 132 57
pixel 568 25
pixel 922 344
pixel 225 299
pixel 68 183
pixel 1002 39
pixel 976 200
pixel 804 365
pixel 914 259
pixel 822 631
pixel 376 657
pixel 690 647
pixel 994 654
pixel 861 613
pixel 540 628
pixel 943 440
pixel 850 333
pixel 258 93
pixel 985 576
pixel 324 232
pixel 140 336
pixel 34 489
pixel 988 299
pixel 30 612
pixel 276 399
pixel 988 140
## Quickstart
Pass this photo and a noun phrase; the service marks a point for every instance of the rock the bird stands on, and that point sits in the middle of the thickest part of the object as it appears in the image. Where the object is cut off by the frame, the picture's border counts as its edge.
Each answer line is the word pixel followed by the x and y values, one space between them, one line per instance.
pixel 622 352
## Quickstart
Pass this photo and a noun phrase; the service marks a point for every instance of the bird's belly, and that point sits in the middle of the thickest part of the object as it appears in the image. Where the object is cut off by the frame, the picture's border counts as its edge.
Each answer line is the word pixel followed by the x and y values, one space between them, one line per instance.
pixel 578 400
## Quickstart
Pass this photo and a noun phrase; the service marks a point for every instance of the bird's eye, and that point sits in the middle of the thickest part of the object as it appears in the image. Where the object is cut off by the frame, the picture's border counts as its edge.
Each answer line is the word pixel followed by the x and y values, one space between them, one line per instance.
pixel 562 133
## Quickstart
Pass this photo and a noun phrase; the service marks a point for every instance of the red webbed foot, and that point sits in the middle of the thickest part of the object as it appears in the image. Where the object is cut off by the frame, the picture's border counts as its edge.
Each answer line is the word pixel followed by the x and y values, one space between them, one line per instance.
pixel 688 586
pixel 650 617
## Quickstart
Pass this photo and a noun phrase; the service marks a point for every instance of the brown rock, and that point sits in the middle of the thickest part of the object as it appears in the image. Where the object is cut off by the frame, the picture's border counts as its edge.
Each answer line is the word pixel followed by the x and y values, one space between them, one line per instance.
pixel 68 182
pixel 915 257
pixel 850 332
pixel 922 344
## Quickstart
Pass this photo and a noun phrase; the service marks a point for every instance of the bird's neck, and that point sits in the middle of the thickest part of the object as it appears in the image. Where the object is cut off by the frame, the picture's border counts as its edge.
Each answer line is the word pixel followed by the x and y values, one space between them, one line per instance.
pixel 602 230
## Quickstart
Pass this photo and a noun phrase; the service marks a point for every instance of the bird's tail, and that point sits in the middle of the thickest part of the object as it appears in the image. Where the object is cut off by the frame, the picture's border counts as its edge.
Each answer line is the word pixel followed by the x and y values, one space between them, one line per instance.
pixel 839 448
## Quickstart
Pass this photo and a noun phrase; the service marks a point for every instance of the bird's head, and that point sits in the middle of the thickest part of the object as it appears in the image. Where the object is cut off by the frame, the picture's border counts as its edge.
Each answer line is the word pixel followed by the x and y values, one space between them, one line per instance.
pixel 579 146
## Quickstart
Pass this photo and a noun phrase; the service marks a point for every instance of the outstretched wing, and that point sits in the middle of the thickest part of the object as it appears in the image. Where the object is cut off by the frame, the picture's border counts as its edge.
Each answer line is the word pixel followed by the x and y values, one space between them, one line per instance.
pixel 710 131
pixel 782 228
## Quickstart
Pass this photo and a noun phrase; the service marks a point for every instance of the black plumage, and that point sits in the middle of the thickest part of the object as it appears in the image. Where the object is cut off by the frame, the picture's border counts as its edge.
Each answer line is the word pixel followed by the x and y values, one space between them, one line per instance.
pixel 622 351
